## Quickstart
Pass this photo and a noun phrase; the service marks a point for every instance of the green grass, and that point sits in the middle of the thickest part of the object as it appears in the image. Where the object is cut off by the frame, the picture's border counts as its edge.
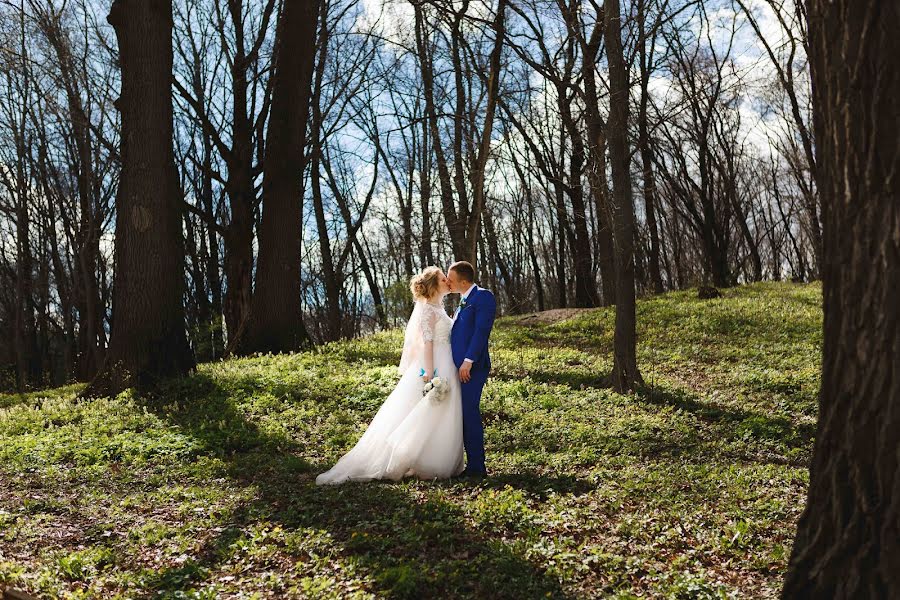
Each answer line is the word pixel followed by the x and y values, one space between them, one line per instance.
pixel 689 489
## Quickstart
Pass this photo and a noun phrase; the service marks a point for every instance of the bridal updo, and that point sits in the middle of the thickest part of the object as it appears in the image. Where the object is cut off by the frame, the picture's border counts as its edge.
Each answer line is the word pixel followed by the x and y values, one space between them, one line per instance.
pixel 425 284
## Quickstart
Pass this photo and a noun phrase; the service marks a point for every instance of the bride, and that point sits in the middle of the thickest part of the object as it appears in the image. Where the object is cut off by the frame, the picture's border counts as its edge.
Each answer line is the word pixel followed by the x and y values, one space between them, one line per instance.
pixel 410 435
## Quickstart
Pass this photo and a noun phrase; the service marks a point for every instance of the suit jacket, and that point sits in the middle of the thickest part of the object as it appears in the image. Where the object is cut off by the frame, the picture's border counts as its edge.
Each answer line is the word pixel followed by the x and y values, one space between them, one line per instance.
pixel 471 329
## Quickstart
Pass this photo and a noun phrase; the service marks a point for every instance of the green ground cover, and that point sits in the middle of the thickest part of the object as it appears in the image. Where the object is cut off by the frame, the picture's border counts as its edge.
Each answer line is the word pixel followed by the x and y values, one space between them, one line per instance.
pixel 689 489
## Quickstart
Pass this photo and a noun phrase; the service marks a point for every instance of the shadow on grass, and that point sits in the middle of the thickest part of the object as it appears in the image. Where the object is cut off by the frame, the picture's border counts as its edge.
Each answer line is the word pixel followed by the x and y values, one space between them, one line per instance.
pixel 536 485
pixel 727 422
pixel 744 422
pixel 406 548
pixel 572 379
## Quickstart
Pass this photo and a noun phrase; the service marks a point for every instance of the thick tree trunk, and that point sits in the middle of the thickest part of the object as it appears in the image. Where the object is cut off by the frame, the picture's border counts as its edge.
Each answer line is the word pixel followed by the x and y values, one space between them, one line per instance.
pixel 241 198
pixel 625 370
pixel 848 538
pixel 275 322
pixel 148 338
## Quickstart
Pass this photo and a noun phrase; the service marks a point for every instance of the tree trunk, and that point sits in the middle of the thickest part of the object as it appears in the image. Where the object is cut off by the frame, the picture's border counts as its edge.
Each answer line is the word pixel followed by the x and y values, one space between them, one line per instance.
pixel 148 338
pixel 372 282
pixel 426 254
pixel 455 222
pixel 646 151
pixel 241 194
pixel 477 174
pixel 596 162
pixel 25 340
pixel 275 322
pixel 848 542
pixel 562 227
pixel 87 239
pixel 585 286
pixel 625 370
pixel 330 275
pixel 212 256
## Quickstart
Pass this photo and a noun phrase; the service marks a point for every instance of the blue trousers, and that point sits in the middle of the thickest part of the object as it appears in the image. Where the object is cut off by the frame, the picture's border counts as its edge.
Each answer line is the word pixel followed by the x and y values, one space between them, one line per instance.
pixel 473 429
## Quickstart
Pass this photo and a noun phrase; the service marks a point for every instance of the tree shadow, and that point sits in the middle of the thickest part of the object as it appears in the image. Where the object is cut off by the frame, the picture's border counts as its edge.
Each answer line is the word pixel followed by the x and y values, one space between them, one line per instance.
pixel 773 427
pixel 406 547
pixel 728 422
pixel 536 485
pixel 572 379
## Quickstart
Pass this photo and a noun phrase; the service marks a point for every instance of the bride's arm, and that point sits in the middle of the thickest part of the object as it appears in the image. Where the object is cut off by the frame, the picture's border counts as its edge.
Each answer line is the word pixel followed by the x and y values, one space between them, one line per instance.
pixel 428 360
pixel 428 321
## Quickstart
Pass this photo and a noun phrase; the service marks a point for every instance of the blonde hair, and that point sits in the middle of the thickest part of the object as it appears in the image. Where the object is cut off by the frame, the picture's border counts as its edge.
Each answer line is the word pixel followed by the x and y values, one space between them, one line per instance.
pixel 425 284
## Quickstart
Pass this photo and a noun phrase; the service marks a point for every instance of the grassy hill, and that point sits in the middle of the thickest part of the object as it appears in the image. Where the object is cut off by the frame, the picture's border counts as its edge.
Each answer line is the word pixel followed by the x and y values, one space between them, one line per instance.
pixel 690 489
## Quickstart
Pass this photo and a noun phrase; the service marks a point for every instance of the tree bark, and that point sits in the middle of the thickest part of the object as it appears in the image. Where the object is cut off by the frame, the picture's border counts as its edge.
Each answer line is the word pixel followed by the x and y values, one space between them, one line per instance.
pixel 462 219
pixel 87 237
pixel 148 339
pixel 477 174
pixel 330 275
pixel 585 287
pixel 645 59
pixel 238 156
pixel 625 370
pixel 275 321
pixel 848 539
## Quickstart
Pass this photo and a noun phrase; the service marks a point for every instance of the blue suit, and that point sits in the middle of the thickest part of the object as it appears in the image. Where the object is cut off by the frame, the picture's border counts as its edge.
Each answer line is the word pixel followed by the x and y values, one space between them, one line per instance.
pixel 469 339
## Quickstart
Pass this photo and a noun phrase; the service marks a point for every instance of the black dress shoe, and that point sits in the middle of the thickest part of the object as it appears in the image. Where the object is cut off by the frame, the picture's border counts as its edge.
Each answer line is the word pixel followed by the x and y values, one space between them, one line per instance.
pixel 467 474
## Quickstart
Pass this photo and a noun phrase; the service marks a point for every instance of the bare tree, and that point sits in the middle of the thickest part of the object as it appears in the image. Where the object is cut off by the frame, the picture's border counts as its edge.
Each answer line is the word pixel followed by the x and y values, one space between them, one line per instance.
pixel 847 544
pixel 275 321
pixel 626 375
pixel 148 338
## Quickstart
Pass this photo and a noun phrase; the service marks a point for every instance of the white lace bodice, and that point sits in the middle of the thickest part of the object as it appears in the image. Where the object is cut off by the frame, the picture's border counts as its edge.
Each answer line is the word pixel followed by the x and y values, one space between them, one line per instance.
pixel 436 324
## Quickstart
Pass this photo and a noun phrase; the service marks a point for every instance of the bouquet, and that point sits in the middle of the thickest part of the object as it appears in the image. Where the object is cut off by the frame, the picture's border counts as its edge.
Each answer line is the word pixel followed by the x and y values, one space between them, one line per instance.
pixel 436 390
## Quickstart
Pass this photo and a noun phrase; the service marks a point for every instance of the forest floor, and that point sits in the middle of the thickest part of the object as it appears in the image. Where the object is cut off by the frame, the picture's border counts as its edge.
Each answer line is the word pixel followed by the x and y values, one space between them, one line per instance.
pixel 689 489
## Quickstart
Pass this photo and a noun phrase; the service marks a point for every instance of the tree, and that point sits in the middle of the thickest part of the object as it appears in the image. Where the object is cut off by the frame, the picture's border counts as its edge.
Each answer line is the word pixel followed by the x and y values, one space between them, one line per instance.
pixel 462 217
pixel 646 43
pixel 244 126
pixel 625 371
pixel 847 543
pixel 87 300
pixel 275 321
pixel 148 338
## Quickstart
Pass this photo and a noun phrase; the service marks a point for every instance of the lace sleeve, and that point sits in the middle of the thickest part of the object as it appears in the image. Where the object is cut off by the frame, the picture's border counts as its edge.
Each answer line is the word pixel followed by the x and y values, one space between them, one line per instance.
pixel 427 323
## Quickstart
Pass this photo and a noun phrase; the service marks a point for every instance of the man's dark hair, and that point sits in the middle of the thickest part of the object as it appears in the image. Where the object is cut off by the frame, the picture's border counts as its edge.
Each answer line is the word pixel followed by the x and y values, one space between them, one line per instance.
pixel 464 269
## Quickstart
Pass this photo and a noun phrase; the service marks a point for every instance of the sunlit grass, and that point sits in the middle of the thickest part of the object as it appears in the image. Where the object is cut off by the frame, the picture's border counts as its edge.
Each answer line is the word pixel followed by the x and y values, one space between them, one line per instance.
pixel 689 489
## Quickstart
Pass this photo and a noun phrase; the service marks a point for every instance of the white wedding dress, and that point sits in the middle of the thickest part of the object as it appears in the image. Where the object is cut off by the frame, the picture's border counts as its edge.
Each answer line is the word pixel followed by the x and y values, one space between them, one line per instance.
pixel 410 435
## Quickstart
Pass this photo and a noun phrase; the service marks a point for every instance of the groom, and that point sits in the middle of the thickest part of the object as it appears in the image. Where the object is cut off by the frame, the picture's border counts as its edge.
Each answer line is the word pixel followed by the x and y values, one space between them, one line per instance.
pixel 472 325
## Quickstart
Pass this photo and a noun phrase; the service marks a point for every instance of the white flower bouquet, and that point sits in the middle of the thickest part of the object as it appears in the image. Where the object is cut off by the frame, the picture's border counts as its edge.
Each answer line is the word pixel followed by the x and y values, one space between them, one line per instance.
pixel 436 390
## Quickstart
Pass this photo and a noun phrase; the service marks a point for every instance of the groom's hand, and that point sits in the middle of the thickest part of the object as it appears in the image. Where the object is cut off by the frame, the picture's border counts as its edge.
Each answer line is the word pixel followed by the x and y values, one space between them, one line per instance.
pixel 465 372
